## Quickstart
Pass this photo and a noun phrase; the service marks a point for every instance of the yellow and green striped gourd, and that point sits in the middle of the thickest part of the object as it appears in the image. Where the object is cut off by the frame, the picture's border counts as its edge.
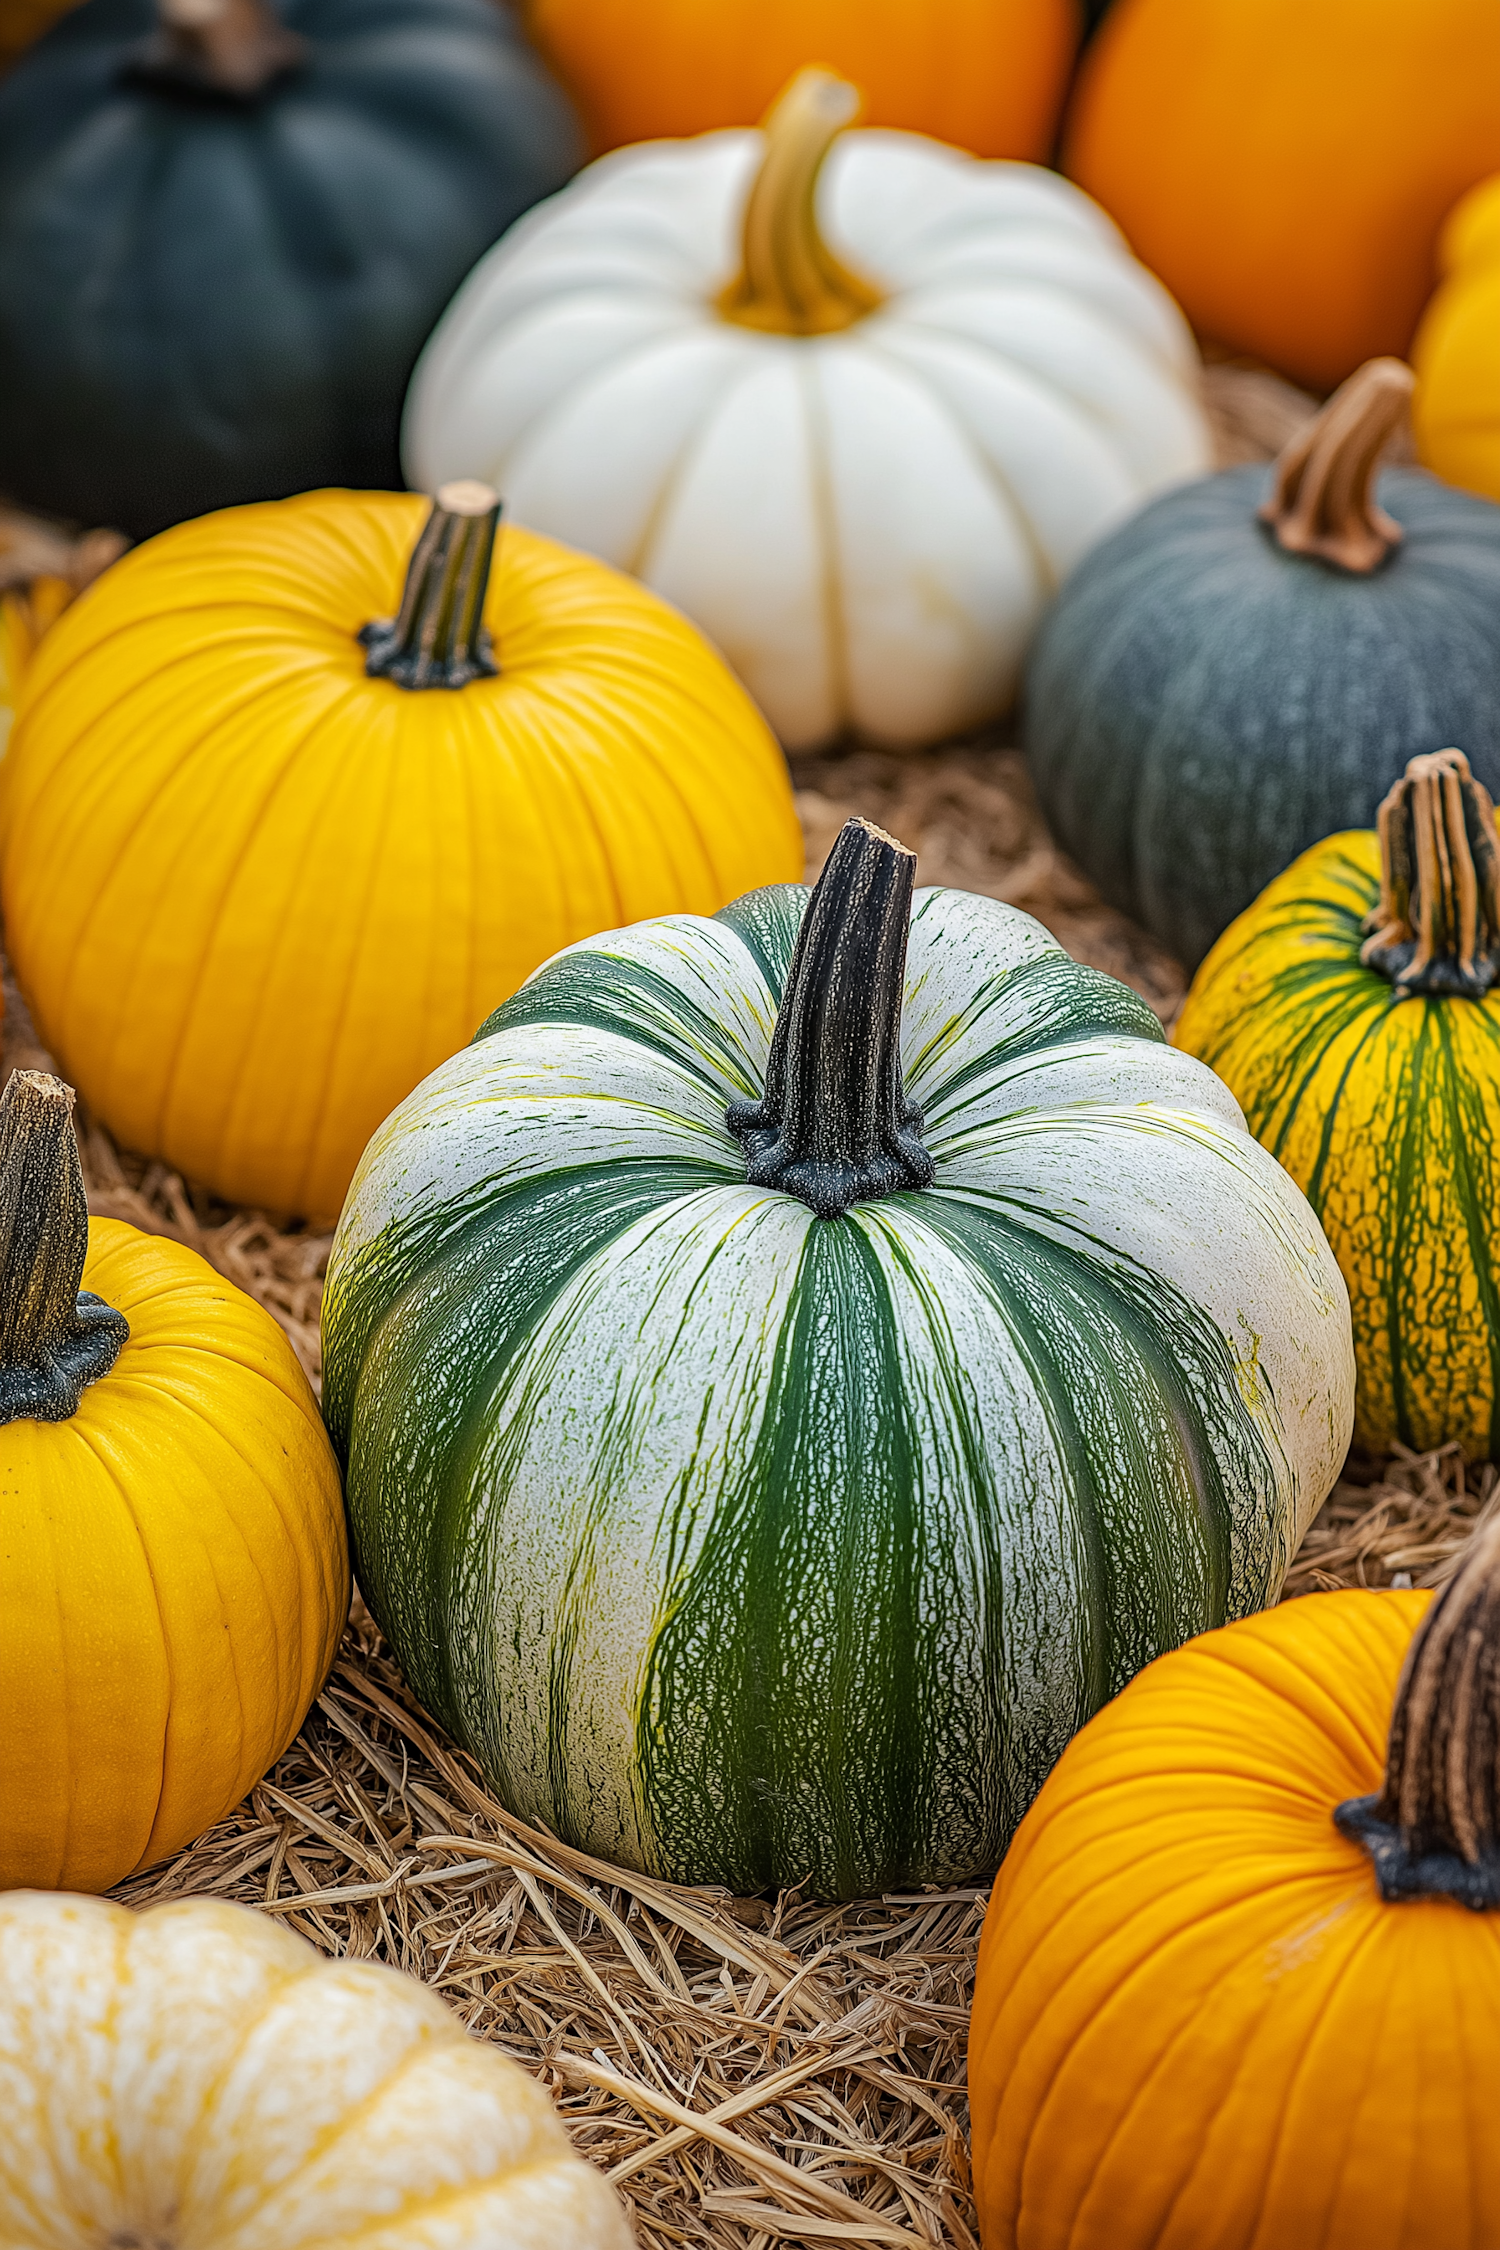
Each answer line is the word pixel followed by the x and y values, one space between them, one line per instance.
pixel 1353 1012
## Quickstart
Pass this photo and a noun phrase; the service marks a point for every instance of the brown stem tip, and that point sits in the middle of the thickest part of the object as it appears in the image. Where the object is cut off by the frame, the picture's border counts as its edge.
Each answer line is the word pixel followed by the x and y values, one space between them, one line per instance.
pixel 55 1338
pixel 1436 929
pixel 1322 503
pixel 216 50
pixel 1434 1829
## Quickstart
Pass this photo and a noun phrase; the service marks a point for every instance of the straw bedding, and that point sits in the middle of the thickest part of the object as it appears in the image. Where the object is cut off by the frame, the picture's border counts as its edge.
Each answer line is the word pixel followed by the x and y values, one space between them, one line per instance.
pixel 751 2073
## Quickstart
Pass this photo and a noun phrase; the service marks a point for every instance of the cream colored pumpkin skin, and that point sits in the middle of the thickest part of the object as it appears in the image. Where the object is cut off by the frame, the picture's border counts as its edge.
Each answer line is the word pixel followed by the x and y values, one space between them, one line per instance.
pixel 174 1576
pixel 869 522
pixel 197 2078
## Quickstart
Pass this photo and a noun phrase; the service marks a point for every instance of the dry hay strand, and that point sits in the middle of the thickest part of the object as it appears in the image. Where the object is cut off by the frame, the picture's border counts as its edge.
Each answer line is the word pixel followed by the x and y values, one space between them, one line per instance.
pixel 746 2072
pixel 1399 1522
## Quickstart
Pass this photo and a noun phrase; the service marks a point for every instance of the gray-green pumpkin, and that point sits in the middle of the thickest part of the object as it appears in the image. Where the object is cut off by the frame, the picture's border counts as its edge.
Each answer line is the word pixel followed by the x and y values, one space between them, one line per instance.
pixel 1247 665
pixel 777 1416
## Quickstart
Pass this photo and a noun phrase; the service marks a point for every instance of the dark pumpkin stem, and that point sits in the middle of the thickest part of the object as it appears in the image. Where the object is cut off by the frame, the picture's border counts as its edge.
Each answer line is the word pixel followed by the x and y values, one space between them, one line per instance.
pixel 55 1338
pixel 438 638
pixel 1436 929
pixel 835 1126
pixel 216 51
pixel 1434 1830
pixel 1323 503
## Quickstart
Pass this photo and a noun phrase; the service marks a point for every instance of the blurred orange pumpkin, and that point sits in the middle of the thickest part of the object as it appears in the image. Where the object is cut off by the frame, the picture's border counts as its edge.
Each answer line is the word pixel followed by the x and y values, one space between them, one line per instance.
pixel 988 75
pixel 1285 168
pixel 22 21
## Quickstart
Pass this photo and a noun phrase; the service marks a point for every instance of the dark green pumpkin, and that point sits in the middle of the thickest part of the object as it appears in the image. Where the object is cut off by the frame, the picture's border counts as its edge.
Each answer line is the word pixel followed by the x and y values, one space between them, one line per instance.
pixel 1202 704
pixel 207 299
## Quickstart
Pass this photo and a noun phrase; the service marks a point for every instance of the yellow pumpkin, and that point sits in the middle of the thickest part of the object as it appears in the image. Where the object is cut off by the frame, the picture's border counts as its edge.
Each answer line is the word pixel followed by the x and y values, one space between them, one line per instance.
pixel 1238 1989
pixel 1353 1012
pixel 198 2075
pixel 41 570
pixel 173 1573
pixel 1456 413
pixel 278 835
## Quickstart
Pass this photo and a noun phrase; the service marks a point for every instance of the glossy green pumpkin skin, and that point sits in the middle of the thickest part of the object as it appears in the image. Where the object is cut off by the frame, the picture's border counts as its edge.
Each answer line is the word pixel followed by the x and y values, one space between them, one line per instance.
pixel 1201 707
pixel 751 1547
pixel 204 303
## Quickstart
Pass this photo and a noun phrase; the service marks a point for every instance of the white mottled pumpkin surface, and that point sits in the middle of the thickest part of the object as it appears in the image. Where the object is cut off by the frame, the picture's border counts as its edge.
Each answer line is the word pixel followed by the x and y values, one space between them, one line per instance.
pixel 749 1546
pixel 197 2078
pixel 867 523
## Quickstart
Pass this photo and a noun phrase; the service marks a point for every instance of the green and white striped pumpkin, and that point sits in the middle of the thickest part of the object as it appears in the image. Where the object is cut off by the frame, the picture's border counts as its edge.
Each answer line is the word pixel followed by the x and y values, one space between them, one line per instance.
pixel 751 1545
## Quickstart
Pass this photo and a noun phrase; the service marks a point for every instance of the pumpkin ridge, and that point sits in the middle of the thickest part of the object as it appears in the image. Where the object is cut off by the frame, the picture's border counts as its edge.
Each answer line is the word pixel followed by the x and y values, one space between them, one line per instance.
pixel 1474 1127
pixel 171 1063
pixel 1379 1022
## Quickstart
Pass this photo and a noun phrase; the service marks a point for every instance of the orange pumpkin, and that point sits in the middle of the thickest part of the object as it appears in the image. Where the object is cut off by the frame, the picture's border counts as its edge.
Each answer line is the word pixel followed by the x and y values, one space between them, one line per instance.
pixel 1286 168
pixel 1238 1989
pixel 987 75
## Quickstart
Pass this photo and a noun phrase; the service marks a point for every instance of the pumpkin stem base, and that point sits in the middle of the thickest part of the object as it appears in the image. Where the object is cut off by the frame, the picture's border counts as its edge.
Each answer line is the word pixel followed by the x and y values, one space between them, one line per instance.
pixel 1404 1874
pixel 1436 931
pixel 1434 1830
pixel 835 1127
pixel 55 1338
pixel 437 639
pixel 215 51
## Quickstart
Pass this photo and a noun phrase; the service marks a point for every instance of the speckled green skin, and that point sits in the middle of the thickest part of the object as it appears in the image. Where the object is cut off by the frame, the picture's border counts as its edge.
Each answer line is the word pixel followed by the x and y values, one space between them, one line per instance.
pixel 1201 707
pixel 753 1547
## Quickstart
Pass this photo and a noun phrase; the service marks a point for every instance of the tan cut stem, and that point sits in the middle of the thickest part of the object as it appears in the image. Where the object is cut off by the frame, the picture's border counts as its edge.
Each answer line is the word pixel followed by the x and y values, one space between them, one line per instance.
pixel 790 282
pixel 1436 928
pixel 232 48
pixel 1323 503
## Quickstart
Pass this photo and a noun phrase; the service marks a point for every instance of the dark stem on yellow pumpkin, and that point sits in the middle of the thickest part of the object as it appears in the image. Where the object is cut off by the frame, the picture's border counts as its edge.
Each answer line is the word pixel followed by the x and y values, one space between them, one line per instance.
pixel 55 1338
pixel 835 1126
pixel 790 281
pixel 1323 503
pixel 1436 929
pixel 216 50
pixel 438 639
pixel 1434 1829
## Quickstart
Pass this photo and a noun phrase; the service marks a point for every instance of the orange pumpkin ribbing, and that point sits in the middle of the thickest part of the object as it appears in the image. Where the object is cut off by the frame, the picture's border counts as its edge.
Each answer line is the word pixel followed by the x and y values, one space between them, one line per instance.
pixel 1285 169
pixel 1197 2021
pixel 987 75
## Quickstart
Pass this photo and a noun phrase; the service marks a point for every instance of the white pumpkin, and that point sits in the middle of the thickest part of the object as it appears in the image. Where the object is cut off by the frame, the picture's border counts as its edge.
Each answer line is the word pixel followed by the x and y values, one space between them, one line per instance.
pixel 864 481
pixel 197 2076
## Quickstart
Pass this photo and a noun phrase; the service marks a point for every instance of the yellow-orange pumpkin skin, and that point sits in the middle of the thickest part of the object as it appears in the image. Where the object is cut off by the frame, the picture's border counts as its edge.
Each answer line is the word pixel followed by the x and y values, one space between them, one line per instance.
pixel 1286 167
pixel 174 1576
pixel 987 75
pixel 253 896
pixel 1197 2025
pixel 1456 412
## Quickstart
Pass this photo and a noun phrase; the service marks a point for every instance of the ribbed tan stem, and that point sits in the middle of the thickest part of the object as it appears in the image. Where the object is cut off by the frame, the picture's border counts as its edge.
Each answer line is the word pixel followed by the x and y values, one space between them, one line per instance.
pixel 54 1338
pixel 1437 927
pixel 791 283
pixel 229 50
pixel 437 638
pixel 1323 503
pixel 1434 1830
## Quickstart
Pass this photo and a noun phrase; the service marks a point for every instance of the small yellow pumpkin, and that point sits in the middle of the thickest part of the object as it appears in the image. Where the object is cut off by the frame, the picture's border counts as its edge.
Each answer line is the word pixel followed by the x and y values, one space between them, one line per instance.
pixel 1237 1988
pixel 1353 1011
pixel 278 835
pixel 198 2075
pixel 41 571
pixel 1456 413
pixel 173 1572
